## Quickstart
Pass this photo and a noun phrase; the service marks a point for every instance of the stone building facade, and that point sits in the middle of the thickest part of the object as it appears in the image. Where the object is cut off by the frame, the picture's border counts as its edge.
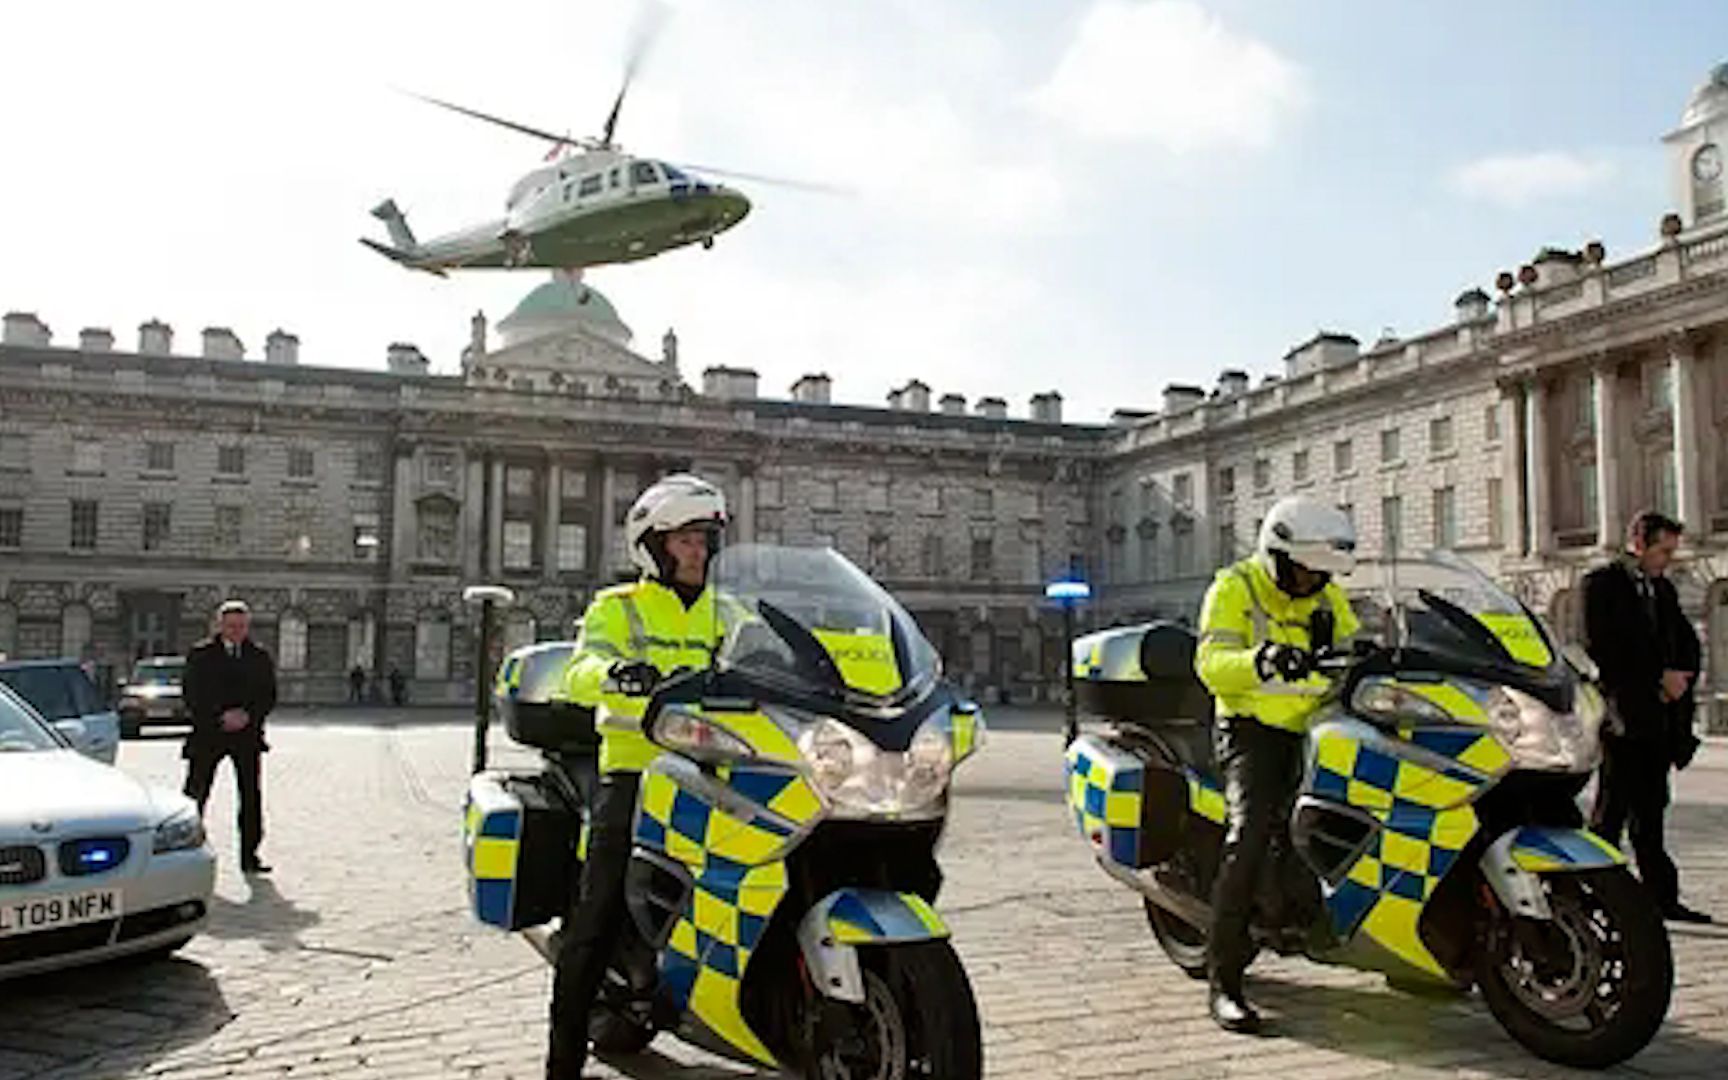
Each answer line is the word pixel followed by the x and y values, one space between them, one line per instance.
pixel 351 507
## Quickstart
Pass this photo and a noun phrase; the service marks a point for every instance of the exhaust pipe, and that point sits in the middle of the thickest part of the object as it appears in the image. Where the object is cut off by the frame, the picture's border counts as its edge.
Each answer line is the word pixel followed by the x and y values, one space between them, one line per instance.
pixel 1196 913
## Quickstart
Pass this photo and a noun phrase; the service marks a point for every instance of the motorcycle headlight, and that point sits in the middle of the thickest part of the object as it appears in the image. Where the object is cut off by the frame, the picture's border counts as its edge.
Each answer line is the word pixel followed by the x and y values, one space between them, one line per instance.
pixel 1383 699
pixel 859 779
pixel 181 832
pixel 696 737
pixel 1537 737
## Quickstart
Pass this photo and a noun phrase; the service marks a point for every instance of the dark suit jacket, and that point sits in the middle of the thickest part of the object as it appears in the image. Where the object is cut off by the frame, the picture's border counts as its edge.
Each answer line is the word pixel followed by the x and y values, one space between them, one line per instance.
pixel 215 682
pixel 1633 653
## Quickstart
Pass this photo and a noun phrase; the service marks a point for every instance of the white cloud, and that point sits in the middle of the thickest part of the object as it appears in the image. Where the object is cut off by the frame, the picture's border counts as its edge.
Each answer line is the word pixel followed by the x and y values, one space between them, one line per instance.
pixel 1519 179
pixel 1168 72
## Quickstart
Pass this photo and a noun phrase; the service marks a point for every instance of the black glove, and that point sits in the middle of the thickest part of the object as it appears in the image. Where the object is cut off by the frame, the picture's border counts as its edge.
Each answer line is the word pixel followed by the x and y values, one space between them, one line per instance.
pixel 633 678
pixel 1291 663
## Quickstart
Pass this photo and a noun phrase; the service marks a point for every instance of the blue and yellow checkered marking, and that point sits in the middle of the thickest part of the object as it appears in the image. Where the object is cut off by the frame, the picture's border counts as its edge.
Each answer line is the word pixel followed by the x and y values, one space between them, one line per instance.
pixel 862 916
pixel 1425 821
pixel 1540 848
pixel 1105 793
pixel 965 732
pixel 1205 797
pixel 492 839
pixel 692 830
pixel 703 964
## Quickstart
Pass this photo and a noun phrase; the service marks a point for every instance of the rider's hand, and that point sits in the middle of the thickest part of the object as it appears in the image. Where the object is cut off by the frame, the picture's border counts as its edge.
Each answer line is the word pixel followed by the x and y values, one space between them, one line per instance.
pixel 634 678
pixel 1291 663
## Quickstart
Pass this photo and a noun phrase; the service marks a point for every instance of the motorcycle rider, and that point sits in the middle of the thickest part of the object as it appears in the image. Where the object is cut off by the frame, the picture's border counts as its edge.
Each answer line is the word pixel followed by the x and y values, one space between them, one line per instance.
pixel 632 636
pixel 1261 624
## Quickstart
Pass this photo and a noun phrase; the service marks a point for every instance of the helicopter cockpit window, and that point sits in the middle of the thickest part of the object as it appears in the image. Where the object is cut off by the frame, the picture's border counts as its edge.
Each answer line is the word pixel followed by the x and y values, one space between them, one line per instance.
pixel 672 173
pixel 643 172
pixel 612 177
pixel 590 186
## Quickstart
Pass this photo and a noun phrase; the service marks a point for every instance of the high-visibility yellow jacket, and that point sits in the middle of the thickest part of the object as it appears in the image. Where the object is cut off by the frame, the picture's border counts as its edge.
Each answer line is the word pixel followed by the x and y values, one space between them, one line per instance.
pixel 1244 608
pixel 644 621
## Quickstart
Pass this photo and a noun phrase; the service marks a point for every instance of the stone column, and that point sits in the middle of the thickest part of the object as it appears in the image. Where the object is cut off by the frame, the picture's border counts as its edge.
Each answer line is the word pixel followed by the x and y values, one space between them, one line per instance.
pixel 1513 493
pixel 495 520
pixel 1688 454
pixel 473 516
pixel 1537 468
pixel 604 528
pixel 549 522
pixel 744 520
pixel 1608 523
pixel 402 514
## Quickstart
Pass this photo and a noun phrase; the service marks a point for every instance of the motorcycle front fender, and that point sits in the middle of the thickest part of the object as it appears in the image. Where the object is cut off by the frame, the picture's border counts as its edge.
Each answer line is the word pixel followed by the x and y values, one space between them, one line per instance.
pixel 834 927
pixel 1515 861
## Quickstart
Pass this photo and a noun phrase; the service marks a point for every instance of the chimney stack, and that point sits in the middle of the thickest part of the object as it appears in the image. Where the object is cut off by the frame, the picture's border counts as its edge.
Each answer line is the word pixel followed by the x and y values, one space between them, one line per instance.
pixel 402 358
pixel 96 339
pixel 1231 382
pixel 281 347
pixel 221 343
pixel 1472 304
pixel 155 338
pixel 914 396
pixel 1179 397
pixel 24 328
pixel 991 408
pixel 729 383
pixel 1047 407
pixel 1322 350
pixel 813 389
pixel 952 404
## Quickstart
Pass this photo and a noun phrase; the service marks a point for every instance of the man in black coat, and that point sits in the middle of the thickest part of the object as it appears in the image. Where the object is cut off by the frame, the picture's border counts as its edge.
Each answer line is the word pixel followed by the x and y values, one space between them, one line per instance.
pixel 229 687
pixel 1649 657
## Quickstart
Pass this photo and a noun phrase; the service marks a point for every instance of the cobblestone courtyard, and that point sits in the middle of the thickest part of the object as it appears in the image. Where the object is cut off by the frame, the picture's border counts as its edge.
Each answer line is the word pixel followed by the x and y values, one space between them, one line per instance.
pixel 357 957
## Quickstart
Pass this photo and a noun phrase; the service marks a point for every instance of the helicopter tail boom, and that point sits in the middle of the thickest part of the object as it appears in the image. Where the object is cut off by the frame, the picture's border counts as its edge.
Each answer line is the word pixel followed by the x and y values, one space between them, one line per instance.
pixel 397 222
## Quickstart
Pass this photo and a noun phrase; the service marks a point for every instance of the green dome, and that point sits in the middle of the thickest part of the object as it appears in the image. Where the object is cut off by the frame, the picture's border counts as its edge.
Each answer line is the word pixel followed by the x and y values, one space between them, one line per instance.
pixel 563 304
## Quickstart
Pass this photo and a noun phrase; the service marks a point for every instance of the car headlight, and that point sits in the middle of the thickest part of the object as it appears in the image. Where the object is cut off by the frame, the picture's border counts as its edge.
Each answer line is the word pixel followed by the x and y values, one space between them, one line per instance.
pixel 1537 737
pixel 860 779
pixel 181 832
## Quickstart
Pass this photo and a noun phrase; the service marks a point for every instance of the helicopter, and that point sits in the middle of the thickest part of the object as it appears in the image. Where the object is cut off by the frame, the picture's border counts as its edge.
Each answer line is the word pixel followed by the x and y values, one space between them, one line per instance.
pixel 590 204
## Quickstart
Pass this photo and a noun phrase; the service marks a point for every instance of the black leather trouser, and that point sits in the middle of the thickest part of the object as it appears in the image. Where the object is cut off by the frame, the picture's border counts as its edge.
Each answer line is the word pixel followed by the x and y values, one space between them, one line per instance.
pixel 595 923
pixel 1262 768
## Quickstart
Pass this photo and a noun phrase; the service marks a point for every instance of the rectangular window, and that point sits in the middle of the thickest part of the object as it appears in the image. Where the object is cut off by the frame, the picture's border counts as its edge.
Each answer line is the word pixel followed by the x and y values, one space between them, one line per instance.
pixel 1659 386
pixel 1032 561
pixel 1445 518
pixel 983 558
pixel 84 524
pixel 1344 457
pixel 302 523
pixel 1440 435
pixel 1586 481
pixel 825 495
pixel 432 649
pixel 1262 474
pixel 930 557
pixel 572 547
pixel 1299 466
pixel 879 554
pixel 1391 525
pixel 573 483
pixel 1391 446
pixel 227 532
pixel 231 460
pixel 367 538
pixel 1227 543
pixel 299 463
pixel 11 526
pixel 159 456
pixel 1182 549
pixel 14 452
pixel 1034 506
pixel 1182 488
pixel 440 469
pixel 1491 423
pixel 876 496
pixel 1227 482
pixel 518 545
pixel 519 481
pixel 369 464
pixel 1496 508
pixel 158 525
pixel 768 491
pixel 87 455
pixel 436 532
pixel 590 186
pixel 930 500
pixel 984 502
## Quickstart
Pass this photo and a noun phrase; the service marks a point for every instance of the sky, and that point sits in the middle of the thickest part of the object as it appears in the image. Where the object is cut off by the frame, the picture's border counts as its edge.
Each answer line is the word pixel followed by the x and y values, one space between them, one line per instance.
pixel 1094 196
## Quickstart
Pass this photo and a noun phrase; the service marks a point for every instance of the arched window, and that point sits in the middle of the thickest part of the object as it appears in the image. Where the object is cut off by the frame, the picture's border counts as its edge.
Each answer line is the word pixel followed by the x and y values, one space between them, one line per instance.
pixel 291 641
pixel 74 630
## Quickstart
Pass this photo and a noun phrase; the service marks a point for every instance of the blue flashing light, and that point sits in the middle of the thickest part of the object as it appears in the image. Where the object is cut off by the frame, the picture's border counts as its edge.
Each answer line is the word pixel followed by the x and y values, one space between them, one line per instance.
pixel 1066 589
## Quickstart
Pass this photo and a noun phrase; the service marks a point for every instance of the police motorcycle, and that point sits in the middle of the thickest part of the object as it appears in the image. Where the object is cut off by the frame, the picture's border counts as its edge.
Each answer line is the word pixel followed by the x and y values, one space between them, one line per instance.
pixel 782 885
pixel 1437 810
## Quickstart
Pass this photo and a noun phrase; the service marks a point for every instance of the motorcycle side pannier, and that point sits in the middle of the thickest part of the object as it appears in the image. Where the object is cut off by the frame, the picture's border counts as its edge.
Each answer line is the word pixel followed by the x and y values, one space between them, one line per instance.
pixel 1144 674
pixel 1132 809
pixel 520 839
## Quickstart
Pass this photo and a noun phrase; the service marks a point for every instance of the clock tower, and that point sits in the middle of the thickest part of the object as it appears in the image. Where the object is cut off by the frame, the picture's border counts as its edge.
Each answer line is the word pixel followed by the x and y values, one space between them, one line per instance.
pixel 1696 152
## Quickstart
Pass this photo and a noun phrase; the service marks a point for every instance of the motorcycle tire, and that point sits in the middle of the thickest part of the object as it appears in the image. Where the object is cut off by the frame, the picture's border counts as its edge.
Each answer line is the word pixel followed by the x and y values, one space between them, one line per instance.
pixel 614 1034
pixel 1185 945
pixel 1614 933
pixel 918 1019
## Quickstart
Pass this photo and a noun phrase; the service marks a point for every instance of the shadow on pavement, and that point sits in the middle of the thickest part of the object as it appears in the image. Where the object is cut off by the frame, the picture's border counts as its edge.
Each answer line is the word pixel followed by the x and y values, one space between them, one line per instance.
pixel 653 1065
pixel 267 917
pixel 106 1020
pixel 1437 1032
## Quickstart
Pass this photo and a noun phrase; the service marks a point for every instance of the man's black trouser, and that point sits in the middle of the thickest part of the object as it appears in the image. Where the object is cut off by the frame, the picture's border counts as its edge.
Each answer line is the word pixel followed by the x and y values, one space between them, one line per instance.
pixel 1632 790
pixel 595 923
pixel 202 758
pixel 1262 769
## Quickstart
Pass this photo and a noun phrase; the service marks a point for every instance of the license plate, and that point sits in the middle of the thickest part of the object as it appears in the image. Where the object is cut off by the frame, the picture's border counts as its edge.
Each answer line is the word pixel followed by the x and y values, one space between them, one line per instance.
pixel 49 912
pixel 160 712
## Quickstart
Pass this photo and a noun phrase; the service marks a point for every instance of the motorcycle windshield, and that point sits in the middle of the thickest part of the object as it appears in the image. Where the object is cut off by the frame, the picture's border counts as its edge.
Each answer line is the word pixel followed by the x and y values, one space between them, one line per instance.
pixel 809 620
pixel 1442 604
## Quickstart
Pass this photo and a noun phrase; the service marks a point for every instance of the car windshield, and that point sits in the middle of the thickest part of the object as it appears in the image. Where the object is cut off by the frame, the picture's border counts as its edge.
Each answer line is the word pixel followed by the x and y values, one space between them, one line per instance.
pixel 1441 603
pixel 20 731
pixel 57 692
pixel 808 618
pixel 157 674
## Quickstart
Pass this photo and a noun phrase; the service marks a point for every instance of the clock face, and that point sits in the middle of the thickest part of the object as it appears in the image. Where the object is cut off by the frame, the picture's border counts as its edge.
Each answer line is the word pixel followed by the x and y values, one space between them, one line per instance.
pixel 1707 163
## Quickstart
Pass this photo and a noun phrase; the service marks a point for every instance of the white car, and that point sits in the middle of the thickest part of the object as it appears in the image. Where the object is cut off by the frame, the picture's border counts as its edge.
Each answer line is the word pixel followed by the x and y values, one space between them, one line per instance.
pixel 93 864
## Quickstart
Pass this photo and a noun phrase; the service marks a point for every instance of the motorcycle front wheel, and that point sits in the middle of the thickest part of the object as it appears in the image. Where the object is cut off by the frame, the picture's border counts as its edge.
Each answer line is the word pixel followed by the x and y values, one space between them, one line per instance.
pixel 1589 988
pixel 918 1020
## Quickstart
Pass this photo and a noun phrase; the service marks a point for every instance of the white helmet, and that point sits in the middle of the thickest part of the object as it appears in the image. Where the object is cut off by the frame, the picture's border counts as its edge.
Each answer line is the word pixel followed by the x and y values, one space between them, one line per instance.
pixel 1310 533
pixel 669 504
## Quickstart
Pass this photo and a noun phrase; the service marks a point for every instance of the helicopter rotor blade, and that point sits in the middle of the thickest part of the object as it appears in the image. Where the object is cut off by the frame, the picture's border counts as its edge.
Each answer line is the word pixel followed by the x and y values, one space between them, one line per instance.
pixel 646 31
pixel 538 133
pixel 777 181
